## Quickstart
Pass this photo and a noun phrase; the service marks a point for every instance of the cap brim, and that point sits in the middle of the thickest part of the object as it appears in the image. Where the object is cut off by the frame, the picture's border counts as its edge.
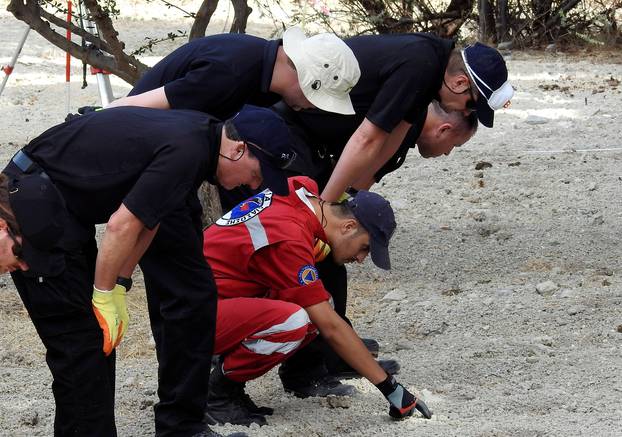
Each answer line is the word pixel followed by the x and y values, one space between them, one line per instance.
pixel 485 114
pixel 42 263
pixel 274 178
pixel 380 255
pixel 330 103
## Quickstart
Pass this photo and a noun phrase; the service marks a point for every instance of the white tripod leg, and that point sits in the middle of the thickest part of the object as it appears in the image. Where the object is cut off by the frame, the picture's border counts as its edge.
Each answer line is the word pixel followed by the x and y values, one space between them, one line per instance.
pixel 8 69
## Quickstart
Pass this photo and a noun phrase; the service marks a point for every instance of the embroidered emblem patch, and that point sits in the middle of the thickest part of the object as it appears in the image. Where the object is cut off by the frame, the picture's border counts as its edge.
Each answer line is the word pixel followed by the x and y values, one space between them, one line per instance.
pixel 307 274
pixel 247 209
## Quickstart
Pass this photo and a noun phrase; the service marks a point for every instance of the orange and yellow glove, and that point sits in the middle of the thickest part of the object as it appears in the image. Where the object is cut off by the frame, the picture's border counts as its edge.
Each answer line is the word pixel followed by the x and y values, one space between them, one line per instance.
pixel 111 313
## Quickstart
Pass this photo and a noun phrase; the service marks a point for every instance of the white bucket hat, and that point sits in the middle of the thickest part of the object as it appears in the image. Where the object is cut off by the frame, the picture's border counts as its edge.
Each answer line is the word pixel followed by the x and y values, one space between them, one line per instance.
pixel 327 69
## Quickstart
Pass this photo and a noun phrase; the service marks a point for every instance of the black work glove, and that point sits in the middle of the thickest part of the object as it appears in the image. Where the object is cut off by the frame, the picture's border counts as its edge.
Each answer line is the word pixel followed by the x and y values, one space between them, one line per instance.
pixel 88 109
pixel 82 111
pixel 402 402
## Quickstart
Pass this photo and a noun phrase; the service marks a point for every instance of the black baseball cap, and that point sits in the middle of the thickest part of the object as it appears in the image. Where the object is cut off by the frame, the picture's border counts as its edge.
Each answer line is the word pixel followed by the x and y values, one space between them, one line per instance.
pixel 42 215
pixel 375 214
pixel 488 72
pixel 270 140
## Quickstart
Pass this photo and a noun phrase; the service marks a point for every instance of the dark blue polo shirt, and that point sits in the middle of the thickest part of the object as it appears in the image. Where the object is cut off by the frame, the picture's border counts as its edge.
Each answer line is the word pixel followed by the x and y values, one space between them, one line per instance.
pixel 400 75
pixel 148 159
pixel 216 74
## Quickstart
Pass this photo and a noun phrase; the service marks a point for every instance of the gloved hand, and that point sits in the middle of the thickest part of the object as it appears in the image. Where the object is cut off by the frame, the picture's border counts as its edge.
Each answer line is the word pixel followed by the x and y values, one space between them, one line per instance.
pixel 83 110
pixel 118 297
pixel 108 318
pixel 402 402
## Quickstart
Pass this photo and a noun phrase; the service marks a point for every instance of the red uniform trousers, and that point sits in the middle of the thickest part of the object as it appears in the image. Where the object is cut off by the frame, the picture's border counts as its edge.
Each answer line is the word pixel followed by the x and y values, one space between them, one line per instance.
pixel 253 335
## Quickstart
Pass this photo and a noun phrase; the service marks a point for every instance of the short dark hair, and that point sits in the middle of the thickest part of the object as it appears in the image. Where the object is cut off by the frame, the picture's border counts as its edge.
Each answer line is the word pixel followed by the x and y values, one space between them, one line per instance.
pixel 232 133
pixel 6 212
pixel 455 65
pixel 461 122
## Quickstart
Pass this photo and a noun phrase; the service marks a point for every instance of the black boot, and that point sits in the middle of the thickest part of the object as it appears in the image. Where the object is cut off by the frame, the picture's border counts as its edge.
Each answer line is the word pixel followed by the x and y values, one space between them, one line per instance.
pixel 208 432
pixel 304 374
pixel 341 369
pixel 228 403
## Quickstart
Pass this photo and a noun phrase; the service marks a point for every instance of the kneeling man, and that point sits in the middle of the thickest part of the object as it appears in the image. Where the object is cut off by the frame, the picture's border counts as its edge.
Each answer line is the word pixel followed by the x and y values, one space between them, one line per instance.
pixel 271 301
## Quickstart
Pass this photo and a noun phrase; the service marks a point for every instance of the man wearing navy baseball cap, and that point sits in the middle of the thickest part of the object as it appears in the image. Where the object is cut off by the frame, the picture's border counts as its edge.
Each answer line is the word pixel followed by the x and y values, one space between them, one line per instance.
pixel 137 170
pixel 272 300
pixel 476 79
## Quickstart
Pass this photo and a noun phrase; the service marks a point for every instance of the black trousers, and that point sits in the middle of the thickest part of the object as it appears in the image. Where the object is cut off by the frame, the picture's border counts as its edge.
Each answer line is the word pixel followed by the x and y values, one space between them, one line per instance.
pixel 181 296
pixel 83 377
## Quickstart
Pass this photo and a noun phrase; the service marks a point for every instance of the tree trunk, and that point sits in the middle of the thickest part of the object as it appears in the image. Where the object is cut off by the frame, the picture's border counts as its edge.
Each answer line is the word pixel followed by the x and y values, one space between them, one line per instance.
pixel 202 19
pixel 502 20
pixel 457 13
pixel 120 64
pixel 240 17
pixel 210 200
pixel 486 32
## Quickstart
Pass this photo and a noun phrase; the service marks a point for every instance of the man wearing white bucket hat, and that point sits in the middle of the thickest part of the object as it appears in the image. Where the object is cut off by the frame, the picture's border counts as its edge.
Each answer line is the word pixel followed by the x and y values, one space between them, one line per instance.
pixel 220 73
pixel 401 75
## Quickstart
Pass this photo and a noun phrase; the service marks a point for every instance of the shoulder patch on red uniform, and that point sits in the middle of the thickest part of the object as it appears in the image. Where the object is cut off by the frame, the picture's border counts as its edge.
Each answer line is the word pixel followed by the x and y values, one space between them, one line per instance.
pixel 307 274
pixel 247 209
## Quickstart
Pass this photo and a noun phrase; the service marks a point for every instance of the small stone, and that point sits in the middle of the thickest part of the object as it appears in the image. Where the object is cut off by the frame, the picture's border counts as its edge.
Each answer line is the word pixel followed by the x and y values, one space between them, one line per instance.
pixel 404 345
pixel 574 310
pixel 598 220
pixel 129 381
pixel 592 187
pixel 606 283
pixel 29 418
pixel 532 359
pixel 453 291
pixel 514 164
pixel 536 119
pixel 395 295
pixel 146 403
pixel 445 228
pixel 504 292
pixel 565 293
pixel 619 328
pixel 481 165
pixel 546 288
pixel 605 271
pixel 338 401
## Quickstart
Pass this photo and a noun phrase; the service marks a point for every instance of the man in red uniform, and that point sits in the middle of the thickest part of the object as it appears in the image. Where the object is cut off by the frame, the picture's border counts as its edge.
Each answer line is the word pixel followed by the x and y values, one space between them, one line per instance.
pixel 271 301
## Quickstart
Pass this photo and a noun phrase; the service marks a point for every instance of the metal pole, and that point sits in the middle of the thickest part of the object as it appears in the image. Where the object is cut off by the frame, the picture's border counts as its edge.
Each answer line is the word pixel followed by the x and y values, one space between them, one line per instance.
pixel 103 79
pixel 8 69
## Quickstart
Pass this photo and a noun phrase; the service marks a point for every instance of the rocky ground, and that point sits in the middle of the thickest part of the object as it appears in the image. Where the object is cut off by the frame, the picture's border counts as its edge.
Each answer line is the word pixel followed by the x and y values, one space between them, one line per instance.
pixel 503 305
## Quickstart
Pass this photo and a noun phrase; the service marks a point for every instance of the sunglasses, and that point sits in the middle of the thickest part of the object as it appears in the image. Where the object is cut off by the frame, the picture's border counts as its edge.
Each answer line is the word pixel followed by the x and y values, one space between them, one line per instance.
pixel 282 162
pixel 17 247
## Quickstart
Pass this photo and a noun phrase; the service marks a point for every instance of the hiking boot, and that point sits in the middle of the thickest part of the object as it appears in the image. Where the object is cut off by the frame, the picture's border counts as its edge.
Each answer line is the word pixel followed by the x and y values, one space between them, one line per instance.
pixel 228 403
pixel 343 371
pixel 317 386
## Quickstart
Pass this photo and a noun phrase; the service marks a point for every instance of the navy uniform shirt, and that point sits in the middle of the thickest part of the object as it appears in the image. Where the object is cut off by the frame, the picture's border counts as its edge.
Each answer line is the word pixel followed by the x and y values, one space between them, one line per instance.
pixel 216 74
pixel 148 159
pixel 400 75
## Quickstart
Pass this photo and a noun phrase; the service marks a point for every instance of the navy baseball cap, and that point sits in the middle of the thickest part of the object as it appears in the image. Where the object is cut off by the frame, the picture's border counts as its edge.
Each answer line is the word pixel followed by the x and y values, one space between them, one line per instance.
pixel 488 72
pixel 375 214
pixel 41 214
pixel 270 140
